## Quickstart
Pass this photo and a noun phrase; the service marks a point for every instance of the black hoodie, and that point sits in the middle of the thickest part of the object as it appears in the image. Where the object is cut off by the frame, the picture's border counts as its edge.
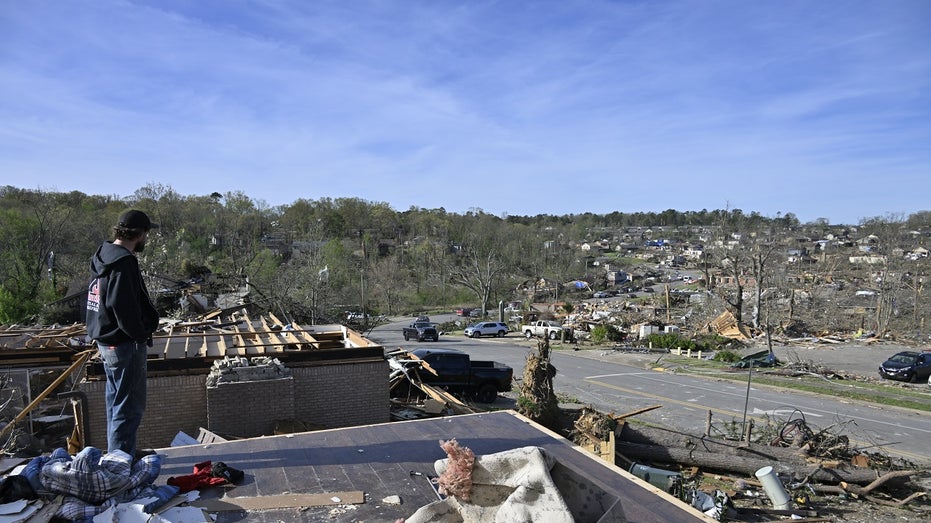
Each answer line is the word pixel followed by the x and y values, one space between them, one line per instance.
pixel 118 304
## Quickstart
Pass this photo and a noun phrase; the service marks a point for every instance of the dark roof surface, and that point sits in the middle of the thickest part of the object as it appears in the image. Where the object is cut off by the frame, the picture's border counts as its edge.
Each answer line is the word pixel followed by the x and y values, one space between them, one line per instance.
pixel 378 460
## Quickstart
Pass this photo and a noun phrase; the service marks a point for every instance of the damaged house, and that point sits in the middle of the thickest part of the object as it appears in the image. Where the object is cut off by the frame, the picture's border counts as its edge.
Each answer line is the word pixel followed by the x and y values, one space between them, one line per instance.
pixel 318 363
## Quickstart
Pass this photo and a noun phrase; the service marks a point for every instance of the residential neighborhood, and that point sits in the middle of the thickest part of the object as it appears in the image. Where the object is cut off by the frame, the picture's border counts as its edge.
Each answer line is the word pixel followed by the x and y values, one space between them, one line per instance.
pixel 268 336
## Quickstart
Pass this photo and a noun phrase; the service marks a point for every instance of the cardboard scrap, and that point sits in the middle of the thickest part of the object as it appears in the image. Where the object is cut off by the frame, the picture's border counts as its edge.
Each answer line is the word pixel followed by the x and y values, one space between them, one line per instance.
pixel 281 501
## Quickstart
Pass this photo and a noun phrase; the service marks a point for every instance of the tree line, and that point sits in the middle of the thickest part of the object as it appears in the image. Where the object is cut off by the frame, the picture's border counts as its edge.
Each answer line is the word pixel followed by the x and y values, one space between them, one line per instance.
pixel 318 258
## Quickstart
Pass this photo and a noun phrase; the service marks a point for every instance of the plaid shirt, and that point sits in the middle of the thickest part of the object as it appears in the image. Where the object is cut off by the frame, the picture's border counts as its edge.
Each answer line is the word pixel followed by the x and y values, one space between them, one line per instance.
pixel 94 481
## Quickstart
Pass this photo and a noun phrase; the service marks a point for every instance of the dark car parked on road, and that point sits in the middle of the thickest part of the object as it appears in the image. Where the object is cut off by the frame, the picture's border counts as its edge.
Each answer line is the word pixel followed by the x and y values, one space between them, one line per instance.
pixel 457 373
pixel 908 366
pixel 420 331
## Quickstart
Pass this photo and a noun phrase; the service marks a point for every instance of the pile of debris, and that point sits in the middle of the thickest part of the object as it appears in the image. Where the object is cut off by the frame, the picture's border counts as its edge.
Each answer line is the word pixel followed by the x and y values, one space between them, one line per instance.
pixel 238 368
pixel 794 464
pixel 411 398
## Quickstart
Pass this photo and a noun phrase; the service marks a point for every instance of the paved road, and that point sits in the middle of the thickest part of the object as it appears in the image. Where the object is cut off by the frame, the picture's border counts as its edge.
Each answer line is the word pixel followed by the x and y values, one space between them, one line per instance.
pixel 687 399
pixel 610 384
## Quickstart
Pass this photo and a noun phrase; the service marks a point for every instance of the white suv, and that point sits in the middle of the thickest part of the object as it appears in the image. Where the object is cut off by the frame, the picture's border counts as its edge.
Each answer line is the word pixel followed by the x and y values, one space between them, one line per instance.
pixel 486 328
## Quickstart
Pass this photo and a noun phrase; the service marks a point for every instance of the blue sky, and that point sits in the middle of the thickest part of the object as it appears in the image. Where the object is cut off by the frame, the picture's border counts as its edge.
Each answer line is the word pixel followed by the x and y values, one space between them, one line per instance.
pixel 818 108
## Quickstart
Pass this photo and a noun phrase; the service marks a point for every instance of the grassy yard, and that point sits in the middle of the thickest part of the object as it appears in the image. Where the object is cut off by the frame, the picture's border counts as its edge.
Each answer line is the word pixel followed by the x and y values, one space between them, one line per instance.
pixel 881 393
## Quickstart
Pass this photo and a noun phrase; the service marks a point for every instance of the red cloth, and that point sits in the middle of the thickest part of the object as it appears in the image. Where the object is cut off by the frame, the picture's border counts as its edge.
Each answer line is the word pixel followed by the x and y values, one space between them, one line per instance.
pixel 200 478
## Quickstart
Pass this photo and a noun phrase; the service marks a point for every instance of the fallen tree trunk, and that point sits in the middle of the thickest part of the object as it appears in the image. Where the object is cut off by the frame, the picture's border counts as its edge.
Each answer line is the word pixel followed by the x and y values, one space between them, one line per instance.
pixel 675 439
pixel 740 464
pixel 842 488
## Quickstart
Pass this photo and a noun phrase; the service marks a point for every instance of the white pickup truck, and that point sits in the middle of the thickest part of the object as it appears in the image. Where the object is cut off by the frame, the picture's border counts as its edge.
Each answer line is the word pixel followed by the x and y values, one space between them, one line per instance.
pixel 545 328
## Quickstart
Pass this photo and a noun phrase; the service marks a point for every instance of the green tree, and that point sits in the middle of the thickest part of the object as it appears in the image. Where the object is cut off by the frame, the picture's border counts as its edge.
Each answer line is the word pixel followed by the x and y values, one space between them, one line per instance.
pixel 33 225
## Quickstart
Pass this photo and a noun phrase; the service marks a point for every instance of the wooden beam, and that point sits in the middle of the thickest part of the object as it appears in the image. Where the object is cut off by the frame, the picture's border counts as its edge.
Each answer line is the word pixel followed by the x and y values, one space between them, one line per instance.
pixel 636 412
pixel 165 352
pixel 444 397
pixel 187 348
pixel 426 366
pixel 287 334
pixel 31 361
pixel 204 348
pixel 78 363
pixel 272 335
pixel 304 334
pixel 241 345
pixel 276 320
pixel 212 314
pixel 221 347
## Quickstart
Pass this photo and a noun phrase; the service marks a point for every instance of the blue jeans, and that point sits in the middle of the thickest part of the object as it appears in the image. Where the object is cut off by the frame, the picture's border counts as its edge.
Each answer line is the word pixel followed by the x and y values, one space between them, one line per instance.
pixel 125 367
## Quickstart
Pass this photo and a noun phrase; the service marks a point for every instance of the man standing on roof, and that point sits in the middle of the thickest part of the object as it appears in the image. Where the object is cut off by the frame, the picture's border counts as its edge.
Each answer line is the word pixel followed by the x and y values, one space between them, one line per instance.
pixel 121 319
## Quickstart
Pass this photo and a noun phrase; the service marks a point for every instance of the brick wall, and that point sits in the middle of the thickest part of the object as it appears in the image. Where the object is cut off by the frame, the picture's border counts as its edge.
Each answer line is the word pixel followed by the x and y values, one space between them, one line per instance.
pixel 324 395
pixel 247 409
pixel 342 395
pixel 174 403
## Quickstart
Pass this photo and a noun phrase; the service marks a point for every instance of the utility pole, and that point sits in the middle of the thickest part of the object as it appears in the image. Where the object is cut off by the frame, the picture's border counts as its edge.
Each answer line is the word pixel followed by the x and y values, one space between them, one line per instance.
pixel 365 316
pixel 747 399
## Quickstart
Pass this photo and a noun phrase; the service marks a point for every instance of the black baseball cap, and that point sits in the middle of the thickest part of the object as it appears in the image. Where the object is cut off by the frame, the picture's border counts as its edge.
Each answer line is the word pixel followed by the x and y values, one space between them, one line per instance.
pixel 133 219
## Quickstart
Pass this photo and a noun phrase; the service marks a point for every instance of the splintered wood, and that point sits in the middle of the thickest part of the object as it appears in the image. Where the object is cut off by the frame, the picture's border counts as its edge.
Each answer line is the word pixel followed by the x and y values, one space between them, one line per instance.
pixel 212 335
pixel 237 334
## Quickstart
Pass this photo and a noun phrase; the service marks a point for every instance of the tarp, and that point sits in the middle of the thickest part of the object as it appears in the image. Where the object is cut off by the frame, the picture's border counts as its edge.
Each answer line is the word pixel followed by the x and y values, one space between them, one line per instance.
pixel 759 359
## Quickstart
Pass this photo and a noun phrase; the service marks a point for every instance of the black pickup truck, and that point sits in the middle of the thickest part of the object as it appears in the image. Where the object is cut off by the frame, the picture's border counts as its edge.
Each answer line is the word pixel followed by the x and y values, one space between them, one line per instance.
pixel 458 374
pixel 420 331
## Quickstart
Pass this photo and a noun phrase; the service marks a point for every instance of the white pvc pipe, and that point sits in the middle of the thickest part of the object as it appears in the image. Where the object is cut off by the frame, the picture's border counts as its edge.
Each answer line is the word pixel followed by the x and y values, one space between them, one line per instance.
pixel 774 489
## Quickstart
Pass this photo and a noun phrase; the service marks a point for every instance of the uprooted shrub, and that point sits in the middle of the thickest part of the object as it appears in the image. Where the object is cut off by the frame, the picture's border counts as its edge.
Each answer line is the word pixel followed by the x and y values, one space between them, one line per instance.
pixel 537 399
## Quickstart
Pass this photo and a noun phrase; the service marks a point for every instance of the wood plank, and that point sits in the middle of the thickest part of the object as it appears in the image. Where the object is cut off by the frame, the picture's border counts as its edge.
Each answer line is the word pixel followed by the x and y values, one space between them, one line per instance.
pixel 167 352
pixel 423 364
pixel 304 334
pixel 357 340
pixel 603 449
pixel 636 412
pixel 257 348
pixel 446 398
pixel 30 361
pixel 278 344
pixel 253 348
pixel 187 348
pixel 281 501
pixel 241 341
pixel 275 319
pixel 287 334
pixel 220 348
pixel 204 347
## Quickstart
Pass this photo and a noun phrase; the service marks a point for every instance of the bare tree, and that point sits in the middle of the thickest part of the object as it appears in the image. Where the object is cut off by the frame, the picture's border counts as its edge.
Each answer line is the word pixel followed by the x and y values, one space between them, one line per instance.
pixel 732 265
pixel 889 277
pixel 479 270
pixel 302 285
pixel 387 282
pixel 760 255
